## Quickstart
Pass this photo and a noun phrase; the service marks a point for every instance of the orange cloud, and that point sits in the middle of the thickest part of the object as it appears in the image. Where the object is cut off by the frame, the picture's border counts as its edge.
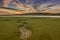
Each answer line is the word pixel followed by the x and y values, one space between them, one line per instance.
pixel 53 11
pixel 10 11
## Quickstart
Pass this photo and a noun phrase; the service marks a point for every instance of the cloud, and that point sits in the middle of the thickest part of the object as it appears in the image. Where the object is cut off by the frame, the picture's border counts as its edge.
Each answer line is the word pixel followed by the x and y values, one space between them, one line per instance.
pixel 42 5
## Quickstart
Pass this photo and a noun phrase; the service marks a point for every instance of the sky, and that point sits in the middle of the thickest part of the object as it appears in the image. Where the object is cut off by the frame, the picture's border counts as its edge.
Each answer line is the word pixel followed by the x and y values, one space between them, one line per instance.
pixel 43 3
pixel 36 2
pixel 39 1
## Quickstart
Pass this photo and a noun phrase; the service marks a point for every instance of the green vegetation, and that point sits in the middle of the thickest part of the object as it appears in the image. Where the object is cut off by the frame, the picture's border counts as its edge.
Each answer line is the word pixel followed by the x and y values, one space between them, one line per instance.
pixel 43 28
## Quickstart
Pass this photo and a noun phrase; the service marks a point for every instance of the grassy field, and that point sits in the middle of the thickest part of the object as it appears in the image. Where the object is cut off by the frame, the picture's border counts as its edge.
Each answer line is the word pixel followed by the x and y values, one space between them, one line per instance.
pixel 42 28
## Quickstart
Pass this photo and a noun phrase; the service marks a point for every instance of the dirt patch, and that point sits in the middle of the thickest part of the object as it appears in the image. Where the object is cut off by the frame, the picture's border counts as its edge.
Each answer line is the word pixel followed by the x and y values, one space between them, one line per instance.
pixel 25 33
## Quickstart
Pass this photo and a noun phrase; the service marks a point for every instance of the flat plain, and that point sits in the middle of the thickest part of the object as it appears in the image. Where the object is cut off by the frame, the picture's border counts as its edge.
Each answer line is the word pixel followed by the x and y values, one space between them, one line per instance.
pixel 42 28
